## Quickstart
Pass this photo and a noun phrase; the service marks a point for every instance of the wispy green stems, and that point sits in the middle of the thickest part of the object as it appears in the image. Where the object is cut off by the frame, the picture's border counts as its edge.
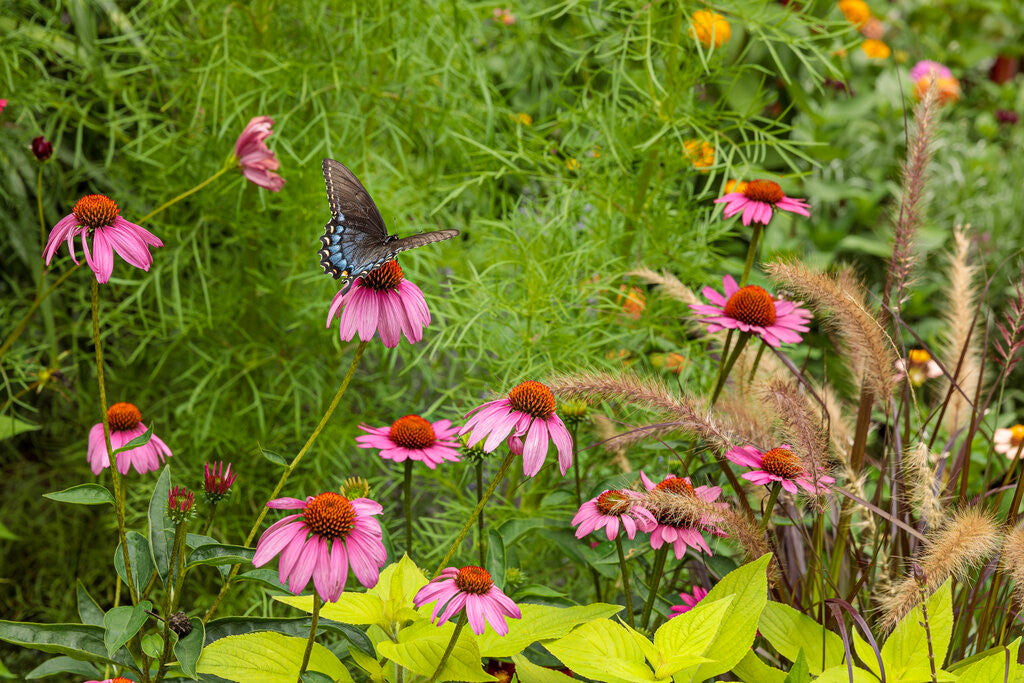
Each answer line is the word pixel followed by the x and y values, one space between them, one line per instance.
pixel 171 202
pixel 451 646
pixel 505 465
pixel 480 541
pixel 770 506
pixel 576 464
pixel 317 602
pixel 407 504
pixel 660 556
pixel 624 569
pixel 25 319
pixel 114 474
pixel 727 365
pixel 751 253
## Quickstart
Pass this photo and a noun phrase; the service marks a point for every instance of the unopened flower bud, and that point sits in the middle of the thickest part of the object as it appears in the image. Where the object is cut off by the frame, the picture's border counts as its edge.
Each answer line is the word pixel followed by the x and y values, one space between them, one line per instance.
pixel 355 487
pixel 217 481
pixel 180 504
pixel 41 148
pixel 180 624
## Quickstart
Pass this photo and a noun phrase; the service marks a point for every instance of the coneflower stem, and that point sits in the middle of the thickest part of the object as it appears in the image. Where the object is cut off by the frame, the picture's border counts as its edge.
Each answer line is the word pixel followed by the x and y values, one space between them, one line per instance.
pixel 660 556
pixel 172 594
pixel 291 468
pixel 576 465
pixel 209 519
pixel 407 502
pixel 751 252
pixel 726 367
pixel 624 569
pixel 186 193
pixel 481 543
pixel 451 646
pixel 772 497
pixel 757 361
pixel 317 602
pixel 115 475
pixel 505 465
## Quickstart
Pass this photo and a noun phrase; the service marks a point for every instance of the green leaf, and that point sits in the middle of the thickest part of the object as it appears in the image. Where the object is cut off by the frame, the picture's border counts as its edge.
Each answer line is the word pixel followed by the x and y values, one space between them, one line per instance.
pixel 89 610
pixel 496 557
pixel 79 641
pixel 580 551
pixel 161 528
pixel 540 622
pixel 420 646
pixel 12 426
pixel 297 626
pixel 267 657
pixel 840 674
pixel 140 440
pixel 139 556
pixel 791 632
pixel 604 651
pixel 216 554
pixel 121 623
pixel 275 458
pixel 998 666
pixel 682 641
pixel 398 584
pixel 6 534
pixel 752 670
pixel 193 541
pixel 351 608
pixel 153 645
pixel 749 586
pixel 83 494
pixel 906 650
pixel 188 649
pixel 268 577
pixel 316 677
pixel 64 665
pixel 369 664
pixel 799 673
pixel 528 671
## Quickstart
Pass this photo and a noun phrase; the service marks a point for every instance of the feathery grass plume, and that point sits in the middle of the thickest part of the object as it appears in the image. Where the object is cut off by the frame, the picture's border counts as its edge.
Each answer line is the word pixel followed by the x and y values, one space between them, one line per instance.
pixel 614 443
pixel 960 312
pixel 801 425
pixel 748 420
pixel 922 484
pixel 967 539
pixel 666 283
pixel 839 299
pixel 840 428
pixel 1012 562
pixel 908 220
pixel 1011 329
pixel 643 393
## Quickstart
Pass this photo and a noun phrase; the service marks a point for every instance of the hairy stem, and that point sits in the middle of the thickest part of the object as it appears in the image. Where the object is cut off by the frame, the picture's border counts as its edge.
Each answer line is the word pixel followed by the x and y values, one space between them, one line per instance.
pixel 407 504
pixel 660 555
pixel 451 646
pixel 317 602
pixel 751 252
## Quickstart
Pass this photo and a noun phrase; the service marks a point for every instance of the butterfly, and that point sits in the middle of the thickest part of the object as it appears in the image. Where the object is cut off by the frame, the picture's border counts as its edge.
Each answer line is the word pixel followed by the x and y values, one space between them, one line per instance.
pixel 355 240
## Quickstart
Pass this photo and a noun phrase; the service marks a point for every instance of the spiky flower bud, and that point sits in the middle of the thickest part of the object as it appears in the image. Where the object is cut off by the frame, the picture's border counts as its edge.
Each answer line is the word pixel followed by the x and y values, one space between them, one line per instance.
pixel 180 624
pixel 475 453
pixel 180 504
pixel 217 481
pixel 355 487
pixel 573 412
pixel 514 576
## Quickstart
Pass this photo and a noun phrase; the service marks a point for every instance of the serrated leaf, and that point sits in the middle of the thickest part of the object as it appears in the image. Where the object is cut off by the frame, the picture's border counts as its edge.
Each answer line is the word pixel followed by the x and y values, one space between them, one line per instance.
pixel 421 644
pixel 790 632
pixel 528 671
pixel 83 494
pixel 351 608
pixel 539 623
pixel 188 649
pixel 89 610
pixel 267 657
pixel 998 666
pixel 140 558
pixel 64 665
pixel 216 554
pixel 800 673
pixel 840 674
pixel 620 658
pixel 120 624
pixel 752 670
pixel 906 650
pixel 368 664
pixel 140 440
pixel 80 641
pixel 297 626
pixel 161 528
pixel 316 677
pixel 682 641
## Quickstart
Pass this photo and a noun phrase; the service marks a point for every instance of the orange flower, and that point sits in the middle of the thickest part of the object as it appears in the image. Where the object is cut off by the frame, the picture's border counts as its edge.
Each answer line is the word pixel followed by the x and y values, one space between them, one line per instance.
pixel 701 154
pixel 875 49
pixel 735 186
pixel 710 28
pixel 632 301
pixel 949 88
pixel 856 12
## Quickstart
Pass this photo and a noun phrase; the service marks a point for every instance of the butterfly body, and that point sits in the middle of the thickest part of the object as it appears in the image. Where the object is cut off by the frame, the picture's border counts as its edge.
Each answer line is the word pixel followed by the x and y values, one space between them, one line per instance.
pixel 355 239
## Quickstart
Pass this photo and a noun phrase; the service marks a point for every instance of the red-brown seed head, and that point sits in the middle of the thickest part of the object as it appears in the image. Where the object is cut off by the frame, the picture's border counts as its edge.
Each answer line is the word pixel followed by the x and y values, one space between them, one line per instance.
pixel 384 278
pixel 123 416
pixel 615 503
pixel 474 580
pixel 412 431
pixel 95 211
pixel 330 515
pixel 782 463
pixel 533 398
pixel 764 191
pixel 751 305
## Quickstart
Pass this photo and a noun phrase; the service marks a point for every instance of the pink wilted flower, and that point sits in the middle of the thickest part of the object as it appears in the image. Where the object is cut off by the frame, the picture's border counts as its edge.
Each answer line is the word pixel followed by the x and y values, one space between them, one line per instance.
pixel 381 301
pixel 528 410
pixel 781 465
pixel 413 438
pixel 257 161
pixel 612 509
pixel 752 309
pixel 98 215
pixel 329 535
pixel 472 588
pixel 756 200
pixel 125 422
pixel 927 67
pixel 217 480
pixel 689 601
pixel 676 524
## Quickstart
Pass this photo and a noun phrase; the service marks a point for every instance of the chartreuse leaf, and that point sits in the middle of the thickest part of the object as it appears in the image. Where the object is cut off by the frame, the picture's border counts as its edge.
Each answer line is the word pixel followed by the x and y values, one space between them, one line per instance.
pixel 351 608
pixel 752 670
pixel 121 623
pixel 799 673
pixel 368 664
pixel 749 587
pixel 80 641
pixel 64 665
pixel 296 626
pixel 540 622
pixel 686 637
pixel 1001 665
pixel 840 674
pixel 905 653
pixel 83 494
pixel 865 653
pixel 528 671
pixel 420 646
pixel 89 610
pixel 267 657
pixel 399 582
pixel 188 649
pixel 602 650
pixel 789 632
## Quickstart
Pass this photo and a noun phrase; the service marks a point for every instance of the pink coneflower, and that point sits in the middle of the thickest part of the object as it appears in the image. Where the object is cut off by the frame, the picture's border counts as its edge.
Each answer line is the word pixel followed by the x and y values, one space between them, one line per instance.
pixel 331 534
pixel 752 309
pixel 1008 441
pixel 217 480
pixel 610 510
pixel 3 103
pixel 679 529
pixel 781 465
pixel 472 588
pixel 381 301
pixel 689 601
pixel 125 422
pixel 927 67
pixel 756 200
pixel 98 215
pixel 918 366
pixel 119 679
pixel 258 162
pixel 529 410
pixel 413 438
pixel 180 502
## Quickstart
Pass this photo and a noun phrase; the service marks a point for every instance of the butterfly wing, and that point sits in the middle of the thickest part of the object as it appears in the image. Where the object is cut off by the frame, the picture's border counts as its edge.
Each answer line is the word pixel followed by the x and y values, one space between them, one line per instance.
pixel 422 239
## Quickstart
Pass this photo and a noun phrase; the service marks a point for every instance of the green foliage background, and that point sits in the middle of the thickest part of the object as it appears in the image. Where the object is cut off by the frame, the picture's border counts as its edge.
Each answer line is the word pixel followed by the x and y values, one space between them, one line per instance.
pixel 222 344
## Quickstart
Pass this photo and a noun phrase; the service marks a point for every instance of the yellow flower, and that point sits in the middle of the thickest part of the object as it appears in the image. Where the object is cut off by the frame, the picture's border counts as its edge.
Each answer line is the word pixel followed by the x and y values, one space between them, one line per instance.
pixel 875 49
pixel 572 164
pixel 523 118
pixel 709 28
pixel 632 301
pixel 856 12
pixel 735 186
pixel 701 154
